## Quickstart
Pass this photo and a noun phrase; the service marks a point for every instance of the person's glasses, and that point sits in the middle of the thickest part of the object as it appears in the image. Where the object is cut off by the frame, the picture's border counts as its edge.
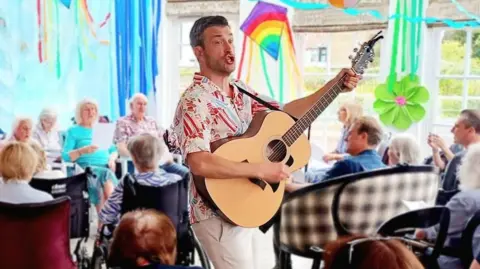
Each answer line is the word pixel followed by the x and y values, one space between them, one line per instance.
pixel 354 243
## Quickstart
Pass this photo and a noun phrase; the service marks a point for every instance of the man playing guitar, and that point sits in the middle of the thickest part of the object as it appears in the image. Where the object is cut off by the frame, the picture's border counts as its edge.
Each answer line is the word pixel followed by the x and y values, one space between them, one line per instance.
pixel 213 108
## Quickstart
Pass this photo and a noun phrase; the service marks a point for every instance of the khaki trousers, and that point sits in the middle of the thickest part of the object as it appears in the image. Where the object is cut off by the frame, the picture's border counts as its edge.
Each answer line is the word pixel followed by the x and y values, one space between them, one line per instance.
pixel 227 246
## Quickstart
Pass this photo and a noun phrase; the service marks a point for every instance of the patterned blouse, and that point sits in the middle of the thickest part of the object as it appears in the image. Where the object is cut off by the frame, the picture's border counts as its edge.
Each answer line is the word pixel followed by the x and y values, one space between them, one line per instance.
pixel 128 126
pixel 206 114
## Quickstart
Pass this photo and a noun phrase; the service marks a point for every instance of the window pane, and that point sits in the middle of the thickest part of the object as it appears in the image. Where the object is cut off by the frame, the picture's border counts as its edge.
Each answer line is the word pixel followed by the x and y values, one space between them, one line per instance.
pixel 450 108
pixel 313 82
pixel 185 31
pixel 451 87
pixel 187 58
pixel 453 52
pixel 475 65
pixel 186 77
pixel 473 103
pixel 444 131
pixel 474 88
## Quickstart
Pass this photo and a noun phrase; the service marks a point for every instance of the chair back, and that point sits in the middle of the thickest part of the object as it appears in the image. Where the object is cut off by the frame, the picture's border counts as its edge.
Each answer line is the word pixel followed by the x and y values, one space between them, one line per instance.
pixel 74 187
pixel 306 218
pixel 362 204
pixel 35 235
pixel 172 200
pixel 467 242
pixel 420 219
pixel 352 204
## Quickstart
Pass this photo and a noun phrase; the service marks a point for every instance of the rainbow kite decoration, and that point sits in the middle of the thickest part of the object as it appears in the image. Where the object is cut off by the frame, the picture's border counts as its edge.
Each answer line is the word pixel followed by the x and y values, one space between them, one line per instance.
pixel 265 26
pixel 267 31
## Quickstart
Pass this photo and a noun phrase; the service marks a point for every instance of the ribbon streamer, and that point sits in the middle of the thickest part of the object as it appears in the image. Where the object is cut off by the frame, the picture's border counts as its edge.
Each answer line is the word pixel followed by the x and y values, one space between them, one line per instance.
pixel 376 14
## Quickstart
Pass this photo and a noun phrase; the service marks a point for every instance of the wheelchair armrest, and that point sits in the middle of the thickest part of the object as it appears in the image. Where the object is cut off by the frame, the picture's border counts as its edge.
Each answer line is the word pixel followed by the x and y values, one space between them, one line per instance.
pixel 467 239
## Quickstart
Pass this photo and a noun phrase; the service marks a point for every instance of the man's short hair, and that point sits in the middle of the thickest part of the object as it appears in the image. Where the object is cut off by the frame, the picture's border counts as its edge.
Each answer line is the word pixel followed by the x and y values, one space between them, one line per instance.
pixel 200 25
pixel 371 127
pixel 471 118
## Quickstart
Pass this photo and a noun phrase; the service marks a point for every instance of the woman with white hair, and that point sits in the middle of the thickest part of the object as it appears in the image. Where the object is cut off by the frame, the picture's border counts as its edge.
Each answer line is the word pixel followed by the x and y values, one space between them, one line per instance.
pixel 462 206
pixel 404 149
pixel 347 114
pixel 21 131
pixel 146 151
pixel 78 148
pixel 45 132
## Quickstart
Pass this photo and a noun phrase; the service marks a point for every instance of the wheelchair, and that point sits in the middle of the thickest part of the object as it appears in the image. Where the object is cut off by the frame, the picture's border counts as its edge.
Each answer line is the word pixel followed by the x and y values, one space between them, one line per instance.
pixel 172 200
pixel 75 187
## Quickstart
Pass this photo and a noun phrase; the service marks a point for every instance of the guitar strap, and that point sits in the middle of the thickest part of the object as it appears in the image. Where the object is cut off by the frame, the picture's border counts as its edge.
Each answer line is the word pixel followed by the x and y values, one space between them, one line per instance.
pixel 261 101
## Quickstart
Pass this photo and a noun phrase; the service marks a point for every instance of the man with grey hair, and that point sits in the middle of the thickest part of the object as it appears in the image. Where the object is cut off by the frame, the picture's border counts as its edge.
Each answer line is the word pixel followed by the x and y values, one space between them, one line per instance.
pixel 138 123
pixel 212 108
pixel 146 151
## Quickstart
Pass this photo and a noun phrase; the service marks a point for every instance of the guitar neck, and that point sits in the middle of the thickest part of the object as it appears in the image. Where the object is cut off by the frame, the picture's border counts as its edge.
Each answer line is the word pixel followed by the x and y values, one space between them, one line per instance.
pixel 309 117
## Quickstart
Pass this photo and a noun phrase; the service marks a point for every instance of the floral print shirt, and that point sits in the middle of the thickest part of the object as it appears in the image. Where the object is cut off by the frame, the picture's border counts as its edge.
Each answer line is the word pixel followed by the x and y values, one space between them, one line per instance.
pixel 206 114
pixel 128 127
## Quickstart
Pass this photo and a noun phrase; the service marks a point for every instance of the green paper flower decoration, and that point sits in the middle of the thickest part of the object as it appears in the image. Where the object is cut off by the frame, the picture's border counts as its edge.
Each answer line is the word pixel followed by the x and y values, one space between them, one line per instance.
pixel 403 105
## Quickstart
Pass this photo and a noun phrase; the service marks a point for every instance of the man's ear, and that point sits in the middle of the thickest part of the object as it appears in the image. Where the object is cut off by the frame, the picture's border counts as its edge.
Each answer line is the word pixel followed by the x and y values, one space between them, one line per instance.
pixel 198 51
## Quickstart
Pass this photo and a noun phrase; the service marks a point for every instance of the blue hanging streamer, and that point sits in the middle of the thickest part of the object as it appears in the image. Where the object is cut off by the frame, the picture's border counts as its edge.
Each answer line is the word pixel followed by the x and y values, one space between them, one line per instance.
pixel 376 14
pixel 157 12
pixel 141 48
pixel 147 46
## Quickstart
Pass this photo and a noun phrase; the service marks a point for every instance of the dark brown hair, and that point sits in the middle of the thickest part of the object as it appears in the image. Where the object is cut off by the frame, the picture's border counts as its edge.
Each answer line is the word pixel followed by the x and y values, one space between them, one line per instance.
pixel 373 254
pixel 146 234
pixel 371 127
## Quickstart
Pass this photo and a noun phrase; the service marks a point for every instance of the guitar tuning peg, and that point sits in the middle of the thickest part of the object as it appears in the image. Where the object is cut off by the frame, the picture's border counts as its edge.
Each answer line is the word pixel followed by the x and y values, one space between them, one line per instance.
pixel 371 60
pixel 350 57
pixel 355 50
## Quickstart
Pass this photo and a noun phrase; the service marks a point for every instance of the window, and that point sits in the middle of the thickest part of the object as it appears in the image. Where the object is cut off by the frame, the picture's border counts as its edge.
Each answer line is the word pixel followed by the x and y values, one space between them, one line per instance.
pixel 326 129
pixel 188 63
pixel 458 77
pixel 317 55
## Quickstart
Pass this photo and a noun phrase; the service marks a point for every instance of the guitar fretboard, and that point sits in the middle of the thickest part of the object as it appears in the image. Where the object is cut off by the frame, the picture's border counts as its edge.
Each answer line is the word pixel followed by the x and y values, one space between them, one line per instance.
pixel 309 117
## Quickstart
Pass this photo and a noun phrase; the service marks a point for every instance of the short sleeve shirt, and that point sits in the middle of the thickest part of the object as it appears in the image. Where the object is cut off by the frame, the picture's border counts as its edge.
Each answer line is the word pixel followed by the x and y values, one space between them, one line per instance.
pixel 128 127
pixel 206 114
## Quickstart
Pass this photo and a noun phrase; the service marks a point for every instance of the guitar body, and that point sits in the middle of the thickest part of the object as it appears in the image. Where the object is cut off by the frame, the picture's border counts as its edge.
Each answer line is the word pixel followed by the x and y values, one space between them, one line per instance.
pixel 252 202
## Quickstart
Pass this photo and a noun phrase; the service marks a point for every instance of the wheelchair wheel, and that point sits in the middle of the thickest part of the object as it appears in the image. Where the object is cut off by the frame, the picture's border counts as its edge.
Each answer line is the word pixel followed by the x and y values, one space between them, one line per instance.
pixel 98 258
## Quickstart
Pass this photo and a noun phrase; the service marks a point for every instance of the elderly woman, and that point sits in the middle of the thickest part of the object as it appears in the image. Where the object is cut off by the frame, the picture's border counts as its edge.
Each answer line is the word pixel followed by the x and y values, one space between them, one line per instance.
pixel 462 207
pixel 21 131
pixel 347 113
pixel 45 132
pixel 144 239
pixel 404 149
pixel 78 148
pixel 18 162
pixel 146 151
pixel 137 123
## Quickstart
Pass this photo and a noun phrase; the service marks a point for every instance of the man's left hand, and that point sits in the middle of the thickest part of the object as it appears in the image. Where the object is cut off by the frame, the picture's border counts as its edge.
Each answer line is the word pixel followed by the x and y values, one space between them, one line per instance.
pixel 350 81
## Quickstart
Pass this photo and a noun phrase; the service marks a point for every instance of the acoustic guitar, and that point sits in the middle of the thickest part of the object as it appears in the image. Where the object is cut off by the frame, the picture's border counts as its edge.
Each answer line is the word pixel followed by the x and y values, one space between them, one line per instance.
pixel 271 137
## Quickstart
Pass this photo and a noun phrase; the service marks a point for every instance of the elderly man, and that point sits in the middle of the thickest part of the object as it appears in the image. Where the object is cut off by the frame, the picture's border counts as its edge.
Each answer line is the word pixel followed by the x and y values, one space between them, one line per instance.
pixel 138 123
pixel 146 151
pixel 362 140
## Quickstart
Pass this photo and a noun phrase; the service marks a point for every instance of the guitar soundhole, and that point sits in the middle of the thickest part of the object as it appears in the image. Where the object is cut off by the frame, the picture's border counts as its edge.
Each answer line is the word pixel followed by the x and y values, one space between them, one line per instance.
pixel 276 151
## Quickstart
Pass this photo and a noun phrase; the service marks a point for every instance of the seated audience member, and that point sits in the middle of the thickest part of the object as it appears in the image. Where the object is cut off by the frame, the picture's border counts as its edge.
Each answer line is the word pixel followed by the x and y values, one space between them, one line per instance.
pixel 43 170
pixel 137 123
pixel 45 132
pixel 404 149
pixel 78 148
pixel 18 162
pixel 441 154
pixel 146 151
pixel 462 205
pixel 362 139
pixel 358 252
pixel 21 131
pixel 144 239
pixel 347 114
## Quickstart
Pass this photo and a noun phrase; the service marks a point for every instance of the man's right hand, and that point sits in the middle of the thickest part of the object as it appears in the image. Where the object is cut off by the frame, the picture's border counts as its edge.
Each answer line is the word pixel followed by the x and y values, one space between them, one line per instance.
pixel 273 172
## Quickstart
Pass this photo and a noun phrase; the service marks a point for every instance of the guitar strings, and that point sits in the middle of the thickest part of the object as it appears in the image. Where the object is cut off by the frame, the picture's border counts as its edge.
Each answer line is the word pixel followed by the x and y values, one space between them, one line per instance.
pixel 276 154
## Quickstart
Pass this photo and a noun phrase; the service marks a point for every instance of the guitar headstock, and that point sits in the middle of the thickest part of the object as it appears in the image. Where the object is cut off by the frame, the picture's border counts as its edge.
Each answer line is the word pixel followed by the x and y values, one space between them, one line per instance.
pixel 365 54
